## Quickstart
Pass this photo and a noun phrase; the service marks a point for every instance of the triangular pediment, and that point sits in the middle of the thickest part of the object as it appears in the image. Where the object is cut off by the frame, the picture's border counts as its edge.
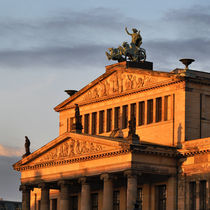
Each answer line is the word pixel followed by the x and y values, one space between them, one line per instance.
pixel 117 81
pixel 71 146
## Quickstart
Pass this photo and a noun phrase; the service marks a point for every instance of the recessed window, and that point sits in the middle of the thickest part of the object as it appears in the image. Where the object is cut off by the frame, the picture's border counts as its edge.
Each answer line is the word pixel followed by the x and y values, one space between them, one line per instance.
pixel 141 113
pixel 117 117
pixel 202 195
pixel 140 198
pixel 149 111
pixel 87 120
pixel 125 117
pixel 116 200
pixel 94 122
pixel 158 113
pixel 160 197
pixel 94 201
pixel 166 108
pixel 133 111
pixel 74 202
pixel 192 195
pixel 109 120
pixel 101 121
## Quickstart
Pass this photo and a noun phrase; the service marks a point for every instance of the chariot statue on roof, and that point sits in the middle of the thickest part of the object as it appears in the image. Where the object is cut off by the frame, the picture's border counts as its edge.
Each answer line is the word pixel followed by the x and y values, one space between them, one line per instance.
pixel 130 52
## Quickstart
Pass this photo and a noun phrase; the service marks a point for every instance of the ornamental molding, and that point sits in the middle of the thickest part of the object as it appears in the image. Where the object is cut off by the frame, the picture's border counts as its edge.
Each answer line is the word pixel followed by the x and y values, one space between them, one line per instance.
pixel 179 84
pixel 55 163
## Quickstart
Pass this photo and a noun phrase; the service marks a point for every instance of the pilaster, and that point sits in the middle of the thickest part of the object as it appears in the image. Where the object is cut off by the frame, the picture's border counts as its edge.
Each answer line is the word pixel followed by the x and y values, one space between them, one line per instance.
pixel 85 194
pixel 25 196
pixel 64 194
pixel 45 199
pixel 107 192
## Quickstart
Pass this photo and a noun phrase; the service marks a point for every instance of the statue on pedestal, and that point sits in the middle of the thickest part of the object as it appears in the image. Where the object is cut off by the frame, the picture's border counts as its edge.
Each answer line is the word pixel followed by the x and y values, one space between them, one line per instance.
pixel 77 126
pixel 132 138
pixel 27 146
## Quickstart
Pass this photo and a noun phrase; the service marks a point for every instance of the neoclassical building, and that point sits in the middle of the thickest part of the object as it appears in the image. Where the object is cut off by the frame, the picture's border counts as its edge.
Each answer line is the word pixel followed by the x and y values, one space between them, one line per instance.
pixel 132 137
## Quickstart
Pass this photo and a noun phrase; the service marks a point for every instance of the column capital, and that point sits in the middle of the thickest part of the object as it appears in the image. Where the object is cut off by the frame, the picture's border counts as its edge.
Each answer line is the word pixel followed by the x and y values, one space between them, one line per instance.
pixel 25 187
pixel 63 182
pixel 44 185
pixel 106 177
pixel 131 173
pixel 83 180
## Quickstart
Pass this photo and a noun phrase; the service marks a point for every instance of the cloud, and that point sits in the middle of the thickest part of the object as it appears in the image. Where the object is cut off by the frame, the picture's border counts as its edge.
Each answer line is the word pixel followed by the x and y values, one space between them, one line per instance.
pixel 10 151
pixel 72 39
pixel 166 53
pixel 189 23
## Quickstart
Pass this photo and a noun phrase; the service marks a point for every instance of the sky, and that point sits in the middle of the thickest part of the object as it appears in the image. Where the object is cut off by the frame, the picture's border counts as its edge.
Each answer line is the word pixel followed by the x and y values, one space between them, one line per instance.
pixel 50 46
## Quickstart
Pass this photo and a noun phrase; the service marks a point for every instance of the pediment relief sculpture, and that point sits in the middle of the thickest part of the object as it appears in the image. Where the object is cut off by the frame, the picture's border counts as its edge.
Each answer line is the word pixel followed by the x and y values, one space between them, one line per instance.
pixel 119 83
pixel 72 148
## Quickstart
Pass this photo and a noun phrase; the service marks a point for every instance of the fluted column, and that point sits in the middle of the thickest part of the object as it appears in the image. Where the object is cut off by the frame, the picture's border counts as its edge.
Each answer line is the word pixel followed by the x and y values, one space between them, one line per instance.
pixel 107 192
pixel 131 189
pixel 64 194
pixel 45 199
pixel 25 196
pixel 85 194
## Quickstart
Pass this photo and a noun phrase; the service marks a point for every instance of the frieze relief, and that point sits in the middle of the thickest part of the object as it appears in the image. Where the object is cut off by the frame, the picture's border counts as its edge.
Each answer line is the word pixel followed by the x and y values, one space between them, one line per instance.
pixel 118 83
pixel 71 148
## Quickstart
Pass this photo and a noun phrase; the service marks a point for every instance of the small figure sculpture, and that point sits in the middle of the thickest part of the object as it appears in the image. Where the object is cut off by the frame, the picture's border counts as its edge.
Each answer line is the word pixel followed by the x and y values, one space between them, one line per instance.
pixel 132 136
pixel 136 37
pixel 132 126
pixel 77 126
pixel 27 147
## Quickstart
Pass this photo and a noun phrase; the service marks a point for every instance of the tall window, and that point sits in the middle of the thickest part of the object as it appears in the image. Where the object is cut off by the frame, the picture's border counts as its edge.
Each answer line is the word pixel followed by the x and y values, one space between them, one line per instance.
pixel 158 109
pixel 116 200
pixel 54 204
pixel 109 120
pixel 71 123
pixel 140 198
pixel 94 122
pixel 141 112
pixel 166 108
pixel 125 117
pixel 101 121
pixel 116 117
pixel 39 204
pixel 192 197
pixel 133 110
pixel 87 120
pixel 149 111
pixel 202 195
pixel 94 201
pixel 74 203
pixel 160 198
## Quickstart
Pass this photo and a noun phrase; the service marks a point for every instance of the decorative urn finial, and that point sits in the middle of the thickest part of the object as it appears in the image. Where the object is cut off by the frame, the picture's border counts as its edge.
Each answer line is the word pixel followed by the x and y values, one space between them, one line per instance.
pixel 186 62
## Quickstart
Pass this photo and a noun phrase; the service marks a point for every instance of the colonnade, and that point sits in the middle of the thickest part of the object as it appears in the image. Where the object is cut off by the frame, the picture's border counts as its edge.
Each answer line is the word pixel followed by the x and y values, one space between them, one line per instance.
pixel 65 186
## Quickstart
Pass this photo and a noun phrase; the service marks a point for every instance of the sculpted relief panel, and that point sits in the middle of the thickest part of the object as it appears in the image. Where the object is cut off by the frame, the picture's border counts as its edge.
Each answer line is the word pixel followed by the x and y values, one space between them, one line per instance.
pixel 71 148
pixel 118 83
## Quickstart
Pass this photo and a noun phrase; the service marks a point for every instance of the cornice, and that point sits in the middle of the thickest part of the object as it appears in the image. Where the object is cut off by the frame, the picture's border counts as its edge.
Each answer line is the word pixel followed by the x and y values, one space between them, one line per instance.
pixel 54 163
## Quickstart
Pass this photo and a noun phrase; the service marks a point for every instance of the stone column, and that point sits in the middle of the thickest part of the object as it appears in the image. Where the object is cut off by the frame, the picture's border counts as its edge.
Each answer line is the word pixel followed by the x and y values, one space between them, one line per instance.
pixel 64 194
pixel 197 194
pixel 107 192
pixel 85 194
pixel 45 198
pixel 25 196
pixel 131 189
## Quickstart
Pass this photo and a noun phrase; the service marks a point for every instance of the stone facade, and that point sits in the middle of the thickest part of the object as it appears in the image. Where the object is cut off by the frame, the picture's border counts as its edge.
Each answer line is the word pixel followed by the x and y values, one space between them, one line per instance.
pixel 100 168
